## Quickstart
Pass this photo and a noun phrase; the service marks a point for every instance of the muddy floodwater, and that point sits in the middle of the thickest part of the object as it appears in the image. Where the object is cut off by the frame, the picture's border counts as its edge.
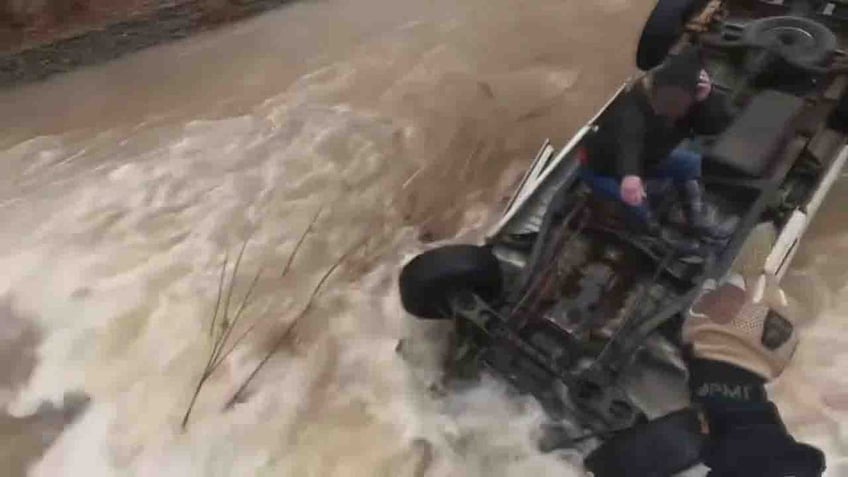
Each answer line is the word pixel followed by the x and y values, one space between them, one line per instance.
pixel 357 132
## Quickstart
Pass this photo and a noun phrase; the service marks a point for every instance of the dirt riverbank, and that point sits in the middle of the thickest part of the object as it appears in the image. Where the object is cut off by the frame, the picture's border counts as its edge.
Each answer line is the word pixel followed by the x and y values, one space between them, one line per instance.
pixel 62 35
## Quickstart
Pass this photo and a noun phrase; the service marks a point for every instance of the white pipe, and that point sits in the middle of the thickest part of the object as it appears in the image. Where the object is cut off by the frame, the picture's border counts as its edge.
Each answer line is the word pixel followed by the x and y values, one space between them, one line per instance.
pixel 786 246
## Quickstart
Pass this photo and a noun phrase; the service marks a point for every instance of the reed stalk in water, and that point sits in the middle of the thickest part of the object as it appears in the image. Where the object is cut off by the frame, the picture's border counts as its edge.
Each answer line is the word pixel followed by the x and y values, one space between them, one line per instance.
pixel 225 326
pixel 291 326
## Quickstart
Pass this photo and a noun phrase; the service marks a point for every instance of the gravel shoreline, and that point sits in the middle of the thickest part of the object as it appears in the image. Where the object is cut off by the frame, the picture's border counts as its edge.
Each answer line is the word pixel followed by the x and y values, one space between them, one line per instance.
pixel 167 23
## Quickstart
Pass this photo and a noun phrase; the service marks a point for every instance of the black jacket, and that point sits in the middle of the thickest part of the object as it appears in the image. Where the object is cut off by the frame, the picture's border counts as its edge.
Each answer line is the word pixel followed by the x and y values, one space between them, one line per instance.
pixel 631 139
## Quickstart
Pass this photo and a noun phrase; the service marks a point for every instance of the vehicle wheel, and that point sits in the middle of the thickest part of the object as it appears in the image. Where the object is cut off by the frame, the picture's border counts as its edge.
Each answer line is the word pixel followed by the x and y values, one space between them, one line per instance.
pixel 429 280
pixel 662 30
pixel 664 446
pixel 798 41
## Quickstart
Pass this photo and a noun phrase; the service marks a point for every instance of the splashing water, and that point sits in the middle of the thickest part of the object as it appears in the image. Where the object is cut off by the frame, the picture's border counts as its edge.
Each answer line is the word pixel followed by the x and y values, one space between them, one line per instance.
pixel 393 123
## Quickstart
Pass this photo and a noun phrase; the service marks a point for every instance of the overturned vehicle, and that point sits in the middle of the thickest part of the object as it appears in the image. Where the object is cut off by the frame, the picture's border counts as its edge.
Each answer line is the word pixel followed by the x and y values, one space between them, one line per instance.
pixel 567 303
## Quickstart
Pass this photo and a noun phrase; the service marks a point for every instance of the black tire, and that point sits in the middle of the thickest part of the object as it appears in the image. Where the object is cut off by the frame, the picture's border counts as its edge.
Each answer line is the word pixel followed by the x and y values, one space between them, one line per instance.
pixel 429 280
pixel 664 446
pixel 662 30
pixel 799 41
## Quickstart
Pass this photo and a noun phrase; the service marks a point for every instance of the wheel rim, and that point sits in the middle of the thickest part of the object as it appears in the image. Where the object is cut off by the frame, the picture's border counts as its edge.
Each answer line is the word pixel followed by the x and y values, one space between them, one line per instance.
pixel 797 40
pixel 790 40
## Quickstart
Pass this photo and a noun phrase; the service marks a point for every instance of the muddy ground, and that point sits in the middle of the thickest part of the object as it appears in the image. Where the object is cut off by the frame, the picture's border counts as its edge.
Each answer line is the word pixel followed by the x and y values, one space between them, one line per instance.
pixel 57 36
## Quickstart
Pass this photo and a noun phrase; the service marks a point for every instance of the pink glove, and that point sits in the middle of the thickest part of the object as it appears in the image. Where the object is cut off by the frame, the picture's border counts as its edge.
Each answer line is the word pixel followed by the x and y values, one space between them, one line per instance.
pixel 632 191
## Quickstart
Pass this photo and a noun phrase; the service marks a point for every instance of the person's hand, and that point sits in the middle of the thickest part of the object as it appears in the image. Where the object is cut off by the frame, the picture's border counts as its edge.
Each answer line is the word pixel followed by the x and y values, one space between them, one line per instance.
pixel 632 190
pixel 705 86
pixel 745 322
pixel 739 335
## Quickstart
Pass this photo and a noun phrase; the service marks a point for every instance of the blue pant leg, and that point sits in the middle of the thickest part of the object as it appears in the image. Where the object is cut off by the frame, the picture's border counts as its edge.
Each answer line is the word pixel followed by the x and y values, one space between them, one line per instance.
pixel 681 165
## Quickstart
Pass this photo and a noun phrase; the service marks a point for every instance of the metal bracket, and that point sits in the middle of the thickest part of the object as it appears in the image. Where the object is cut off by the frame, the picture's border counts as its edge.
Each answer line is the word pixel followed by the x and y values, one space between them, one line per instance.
pixel 605 404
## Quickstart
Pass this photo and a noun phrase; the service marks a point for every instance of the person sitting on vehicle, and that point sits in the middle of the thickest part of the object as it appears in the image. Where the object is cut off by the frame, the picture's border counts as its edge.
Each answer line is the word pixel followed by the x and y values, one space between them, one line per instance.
pixel 638 136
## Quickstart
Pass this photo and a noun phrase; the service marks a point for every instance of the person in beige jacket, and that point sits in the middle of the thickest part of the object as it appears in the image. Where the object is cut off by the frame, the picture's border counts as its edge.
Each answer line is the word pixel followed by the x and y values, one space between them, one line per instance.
pixel 741 333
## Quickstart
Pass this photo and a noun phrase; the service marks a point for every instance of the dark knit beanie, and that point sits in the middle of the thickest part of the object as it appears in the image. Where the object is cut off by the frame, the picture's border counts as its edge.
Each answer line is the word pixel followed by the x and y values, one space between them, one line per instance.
pixel 681 70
